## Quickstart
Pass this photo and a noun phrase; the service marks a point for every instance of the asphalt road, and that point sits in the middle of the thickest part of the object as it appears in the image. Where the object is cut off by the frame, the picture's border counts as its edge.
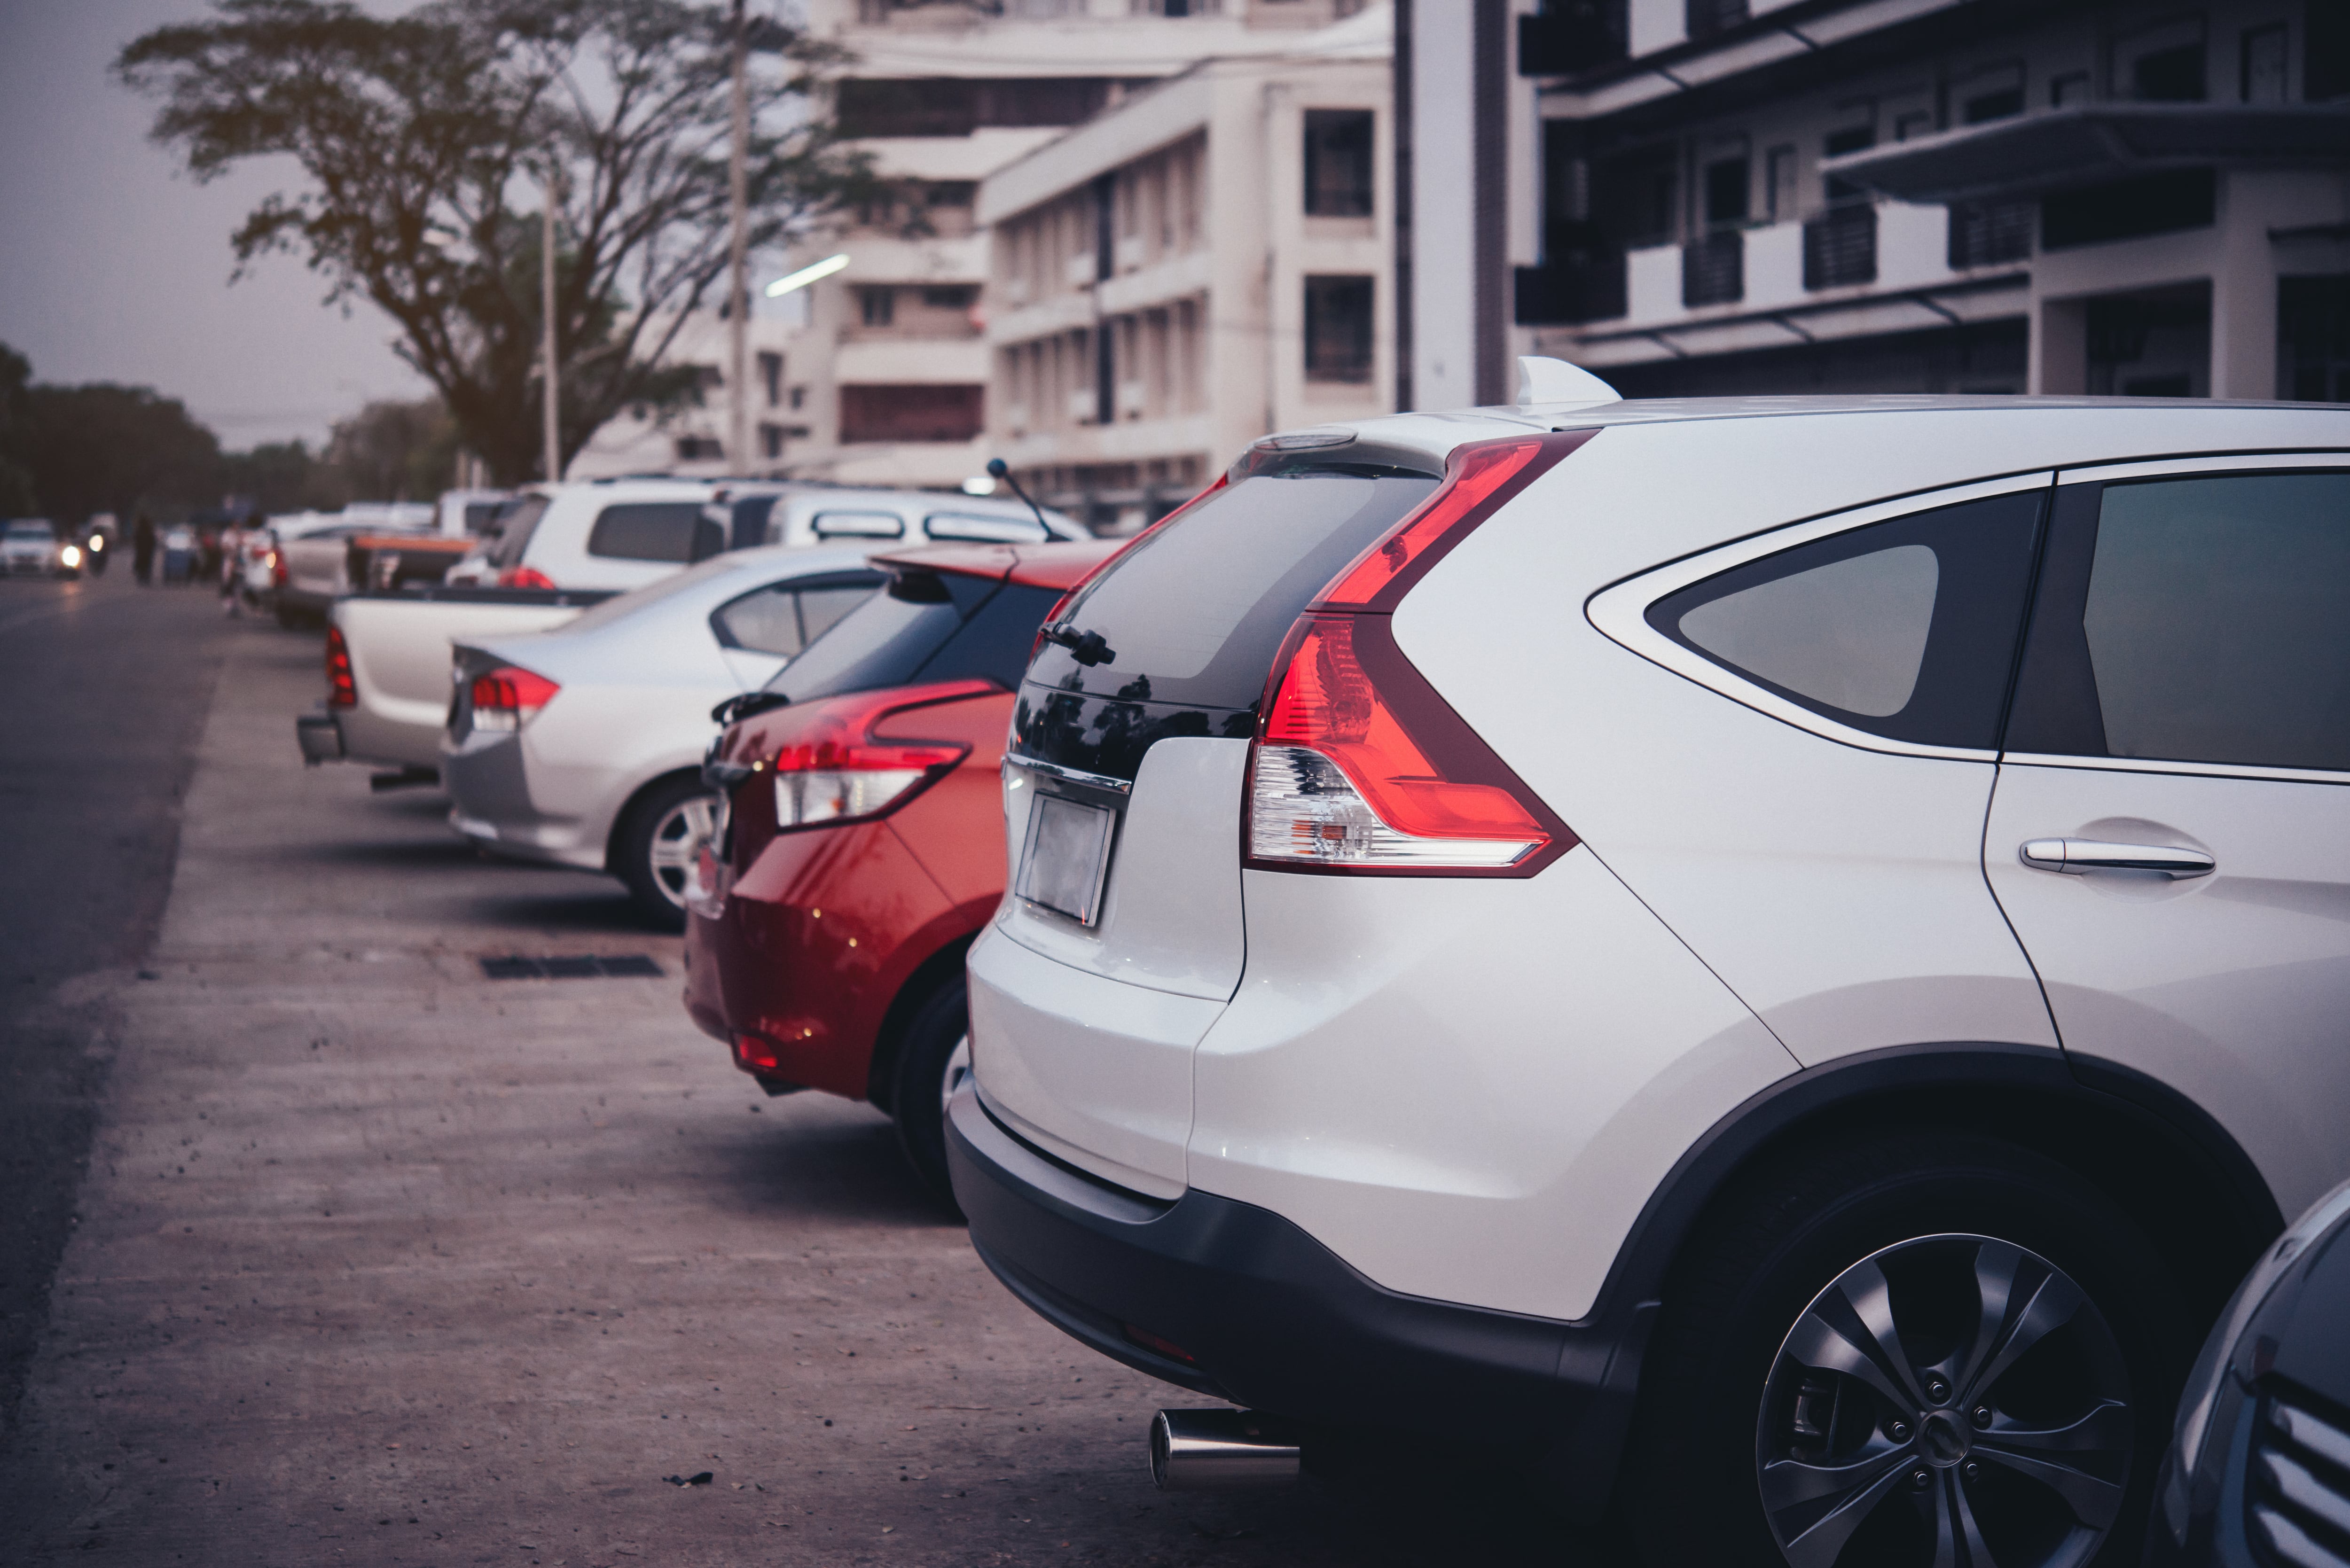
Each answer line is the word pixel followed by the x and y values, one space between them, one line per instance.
pixel 379 1261
pixel 103 689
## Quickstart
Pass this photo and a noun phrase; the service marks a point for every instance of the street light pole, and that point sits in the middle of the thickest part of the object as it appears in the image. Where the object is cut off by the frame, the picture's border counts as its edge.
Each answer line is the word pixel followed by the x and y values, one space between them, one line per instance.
pixel 552 390
pixel 738 294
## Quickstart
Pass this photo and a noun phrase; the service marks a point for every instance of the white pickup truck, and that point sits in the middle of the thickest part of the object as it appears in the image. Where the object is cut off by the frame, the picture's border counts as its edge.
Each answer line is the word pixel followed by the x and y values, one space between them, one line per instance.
pixel 388 662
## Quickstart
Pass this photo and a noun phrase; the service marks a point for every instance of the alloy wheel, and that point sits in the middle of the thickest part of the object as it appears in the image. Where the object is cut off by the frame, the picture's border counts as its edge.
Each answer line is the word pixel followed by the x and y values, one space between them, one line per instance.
pixel 1951 1401
pixel 681 831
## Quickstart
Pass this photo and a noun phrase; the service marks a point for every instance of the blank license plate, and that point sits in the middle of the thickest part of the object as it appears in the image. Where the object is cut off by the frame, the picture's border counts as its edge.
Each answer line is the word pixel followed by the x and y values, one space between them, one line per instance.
pixel 1066 856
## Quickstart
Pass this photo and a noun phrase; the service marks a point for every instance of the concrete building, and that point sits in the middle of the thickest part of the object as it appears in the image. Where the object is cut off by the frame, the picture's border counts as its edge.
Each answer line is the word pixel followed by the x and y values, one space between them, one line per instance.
pixel 890 375
pixel 1207 260
pixel 691 443
pixel 1717 196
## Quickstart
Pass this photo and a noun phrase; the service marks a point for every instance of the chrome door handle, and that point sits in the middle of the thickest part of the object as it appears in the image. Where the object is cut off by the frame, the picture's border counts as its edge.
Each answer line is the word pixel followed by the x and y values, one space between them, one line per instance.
pixel 2075 855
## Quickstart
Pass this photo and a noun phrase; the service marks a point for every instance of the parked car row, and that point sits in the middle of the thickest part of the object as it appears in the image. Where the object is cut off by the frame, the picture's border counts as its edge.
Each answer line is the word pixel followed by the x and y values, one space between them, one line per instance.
pixel 33 546
pixel 1770 964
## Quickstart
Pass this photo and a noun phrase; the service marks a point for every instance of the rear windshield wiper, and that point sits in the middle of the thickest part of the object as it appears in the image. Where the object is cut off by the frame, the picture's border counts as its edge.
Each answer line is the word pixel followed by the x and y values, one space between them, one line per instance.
pixel 734 710
pixel 1087 648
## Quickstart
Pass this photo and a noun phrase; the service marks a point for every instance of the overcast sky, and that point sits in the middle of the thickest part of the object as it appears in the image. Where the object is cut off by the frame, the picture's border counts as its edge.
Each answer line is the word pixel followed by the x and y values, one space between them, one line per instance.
pixel 113 267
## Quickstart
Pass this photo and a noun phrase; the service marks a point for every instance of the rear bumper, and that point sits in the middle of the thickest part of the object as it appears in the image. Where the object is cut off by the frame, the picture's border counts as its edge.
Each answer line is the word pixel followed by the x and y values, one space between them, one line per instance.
pixel 320 736
pixel 1273 1320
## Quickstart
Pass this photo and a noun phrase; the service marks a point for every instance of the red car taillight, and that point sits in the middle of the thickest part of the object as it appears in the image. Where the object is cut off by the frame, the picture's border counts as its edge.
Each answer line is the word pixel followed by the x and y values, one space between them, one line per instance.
pixel 342 691
pixel 525 577
pixel 508 698
pixel 831 767
pixel 276 569
pixel 1358 765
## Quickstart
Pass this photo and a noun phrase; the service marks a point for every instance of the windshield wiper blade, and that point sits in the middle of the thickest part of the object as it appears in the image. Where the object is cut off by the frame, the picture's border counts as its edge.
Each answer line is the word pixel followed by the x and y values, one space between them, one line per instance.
pixel 1087 648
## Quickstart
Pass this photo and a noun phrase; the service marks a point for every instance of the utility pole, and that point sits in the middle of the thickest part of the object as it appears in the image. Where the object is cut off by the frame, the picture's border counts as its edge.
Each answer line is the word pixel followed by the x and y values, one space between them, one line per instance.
pixel 553 418
pixel 738 293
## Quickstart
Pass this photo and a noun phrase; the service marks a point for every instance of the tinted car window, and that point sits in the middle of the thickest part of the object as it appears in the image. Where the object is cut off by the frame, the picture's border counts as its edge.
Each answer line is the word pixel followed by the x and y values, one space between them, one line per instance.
pixel 1906 628
pixel 1197 611
pixel 881 642
pixel 655 531
pixel 516 522
pixel 2202 620
pixel 785 617
pixel 984 530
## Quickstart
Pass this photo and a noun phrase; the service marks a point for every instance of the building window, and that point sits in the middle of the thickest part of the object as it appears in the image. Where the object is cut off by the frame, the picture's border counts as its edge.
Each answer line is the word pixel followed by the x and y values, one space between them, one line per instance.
pixel 1707 17
pixel 878 304
pixel 1337 163
pixel 1634 197
pixel 1778 199
pixel 1339 329
pixel 771 376
pixel 1177 7
pixel 915 413
pixel 771 441
pixel 1726 191
pixel 1994 93
pixel 2162 63
pixel 2071 88
pixel 2314 338
pixel 2263 57
pixel 699 449
pixel 1851 139
pixel 1917 122
pixel 951 296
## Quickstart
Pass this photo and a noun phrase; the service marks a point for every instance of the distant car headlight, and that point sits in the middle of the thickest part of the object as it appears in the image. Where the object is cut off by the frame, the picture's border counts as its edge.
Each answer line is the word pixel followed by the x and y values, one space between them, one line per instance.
pixel 70 556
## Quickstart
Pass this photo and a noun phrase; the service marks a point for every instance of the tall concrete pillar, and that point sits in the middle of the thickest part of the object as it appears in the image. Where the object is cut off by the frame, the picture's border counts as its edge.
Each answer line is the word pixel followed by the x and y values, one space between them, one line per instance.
pixel 1457 86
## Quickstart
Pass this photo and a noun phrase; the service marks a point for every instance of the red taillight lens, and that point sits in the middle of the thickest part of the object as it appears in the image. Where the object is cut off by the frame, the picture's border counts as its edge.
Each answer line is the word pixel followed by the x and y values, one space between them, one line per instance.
pixel 508 698
pixel 837 769
pixel 1061 607
pixel 525 577
pixel 276 569
pixel 1358 764
pixel 342 691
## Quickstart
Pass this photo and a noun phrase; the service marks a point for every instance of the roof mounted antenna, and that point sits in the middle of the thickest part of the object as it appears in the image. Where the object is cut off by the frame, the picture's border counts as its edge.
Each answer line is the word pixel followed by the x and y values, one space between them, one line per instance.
pixel 1542 380
pixel 999 469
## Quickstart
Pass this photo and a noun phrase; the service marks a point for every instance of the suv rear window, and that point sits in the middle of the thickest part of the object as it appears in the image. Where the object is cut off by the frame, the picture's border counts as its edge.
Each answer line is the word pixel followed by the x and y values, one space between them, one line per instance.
pixel 1195 613
pixel 656 531
pixel 928 626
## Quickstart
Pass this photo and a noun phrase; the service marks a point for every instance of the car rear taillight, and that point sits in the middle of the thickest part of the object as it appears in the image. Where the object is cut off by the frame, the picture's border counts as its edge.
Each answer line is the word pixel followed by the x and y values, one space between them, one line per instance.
pixel 1358 765
pixel 525 577
pixel 342 691
pixel 835 769
pixel 508 698
pixel 278 576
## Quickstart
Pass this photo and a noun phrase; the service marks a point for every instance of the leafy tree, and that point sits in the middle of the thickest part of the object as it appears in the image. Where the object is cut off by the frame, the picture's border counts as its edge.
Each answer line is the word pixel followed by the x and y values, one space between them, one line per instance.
pixel 394 451
pixel 427 139
pixel 105 448
pixel 15 481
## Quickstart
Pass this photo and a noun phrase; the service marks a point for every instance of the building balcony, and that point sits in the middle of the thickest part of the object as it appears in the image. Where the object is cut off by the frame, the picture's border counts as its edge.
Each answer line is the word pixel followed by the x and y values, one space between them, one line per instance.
pixel 1840 248
pixel 1713 270
pixel 1988 234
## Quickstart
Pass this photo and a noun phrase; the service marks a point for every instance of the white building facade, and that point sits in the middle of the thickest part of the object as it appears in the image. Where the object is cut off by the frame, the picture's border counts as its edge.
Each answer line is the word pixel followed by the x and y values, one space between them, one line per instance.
pixel 1209 261
pixel 1727 196
pixel 889 380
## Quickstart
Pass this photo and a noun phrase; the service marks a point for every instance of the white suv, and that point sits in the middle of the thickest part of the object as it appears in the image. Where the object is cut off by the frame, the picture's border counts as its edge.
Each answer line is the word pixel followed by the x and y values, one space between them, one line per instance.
pixel 1801 944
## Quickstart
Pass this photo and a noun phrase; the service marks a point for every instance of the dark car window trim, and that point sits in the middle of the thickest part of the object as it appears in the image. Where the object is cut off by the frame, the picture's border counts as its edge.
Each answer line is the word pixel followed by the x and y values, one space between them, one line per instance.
pixel 1619 611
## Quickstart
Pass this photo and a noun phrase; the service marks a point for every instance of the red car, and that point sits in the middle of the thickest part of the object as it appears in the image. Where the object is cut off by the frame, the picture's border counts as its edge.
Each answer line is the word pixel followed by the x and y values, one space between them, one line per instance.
pixel 862 845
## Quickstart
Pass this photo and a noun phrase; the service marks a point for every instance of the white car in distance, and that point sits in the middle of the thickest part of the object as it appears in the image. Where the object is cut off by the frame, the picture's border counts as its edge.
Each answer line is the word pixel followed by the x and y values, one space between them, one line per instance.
pixel 616 534
pixel 582 746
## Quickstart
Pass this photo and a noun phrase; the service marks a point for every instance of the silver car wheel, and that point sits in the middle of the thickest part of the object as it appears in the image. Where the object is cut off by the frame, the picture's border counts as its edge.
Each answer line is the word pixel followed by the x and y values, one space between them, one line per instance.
pixel 681 831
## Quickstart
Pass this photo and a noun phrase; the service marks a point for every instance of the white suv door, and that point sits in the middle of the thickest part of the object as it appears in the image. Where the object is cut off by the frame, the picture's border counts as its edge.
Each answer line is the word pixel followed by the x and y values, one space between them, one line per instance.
pixel 2170 831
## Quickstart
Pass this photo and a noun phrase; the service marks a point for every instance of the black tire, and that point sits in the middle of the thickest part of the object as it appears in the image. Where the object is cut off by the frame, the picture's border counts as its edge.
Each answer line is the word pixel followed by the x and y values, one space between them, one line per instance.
pixel 1940 1217
pixel 928 1072
pixel 655 833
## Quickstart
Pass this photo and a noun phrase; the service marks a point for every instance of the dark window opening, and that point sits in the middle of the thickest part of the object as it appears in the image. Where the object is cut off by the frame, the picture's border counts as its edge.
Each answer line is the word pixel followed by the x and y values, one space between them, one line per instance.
pixel 771 441
pixel 1338 163
pixel 699 449
pixel 656 531
pixel 1571 36
pixel 956 106
pixel 1634 197
pixel 2314 338
pixel 1339 329
pixel 2127 209
pixel 911 413
pixel 771 377
pixel 877 304
pixel 1727 187
pixel 1851 139
pixel 1707 17
pixel 953 297
pixel 2174 75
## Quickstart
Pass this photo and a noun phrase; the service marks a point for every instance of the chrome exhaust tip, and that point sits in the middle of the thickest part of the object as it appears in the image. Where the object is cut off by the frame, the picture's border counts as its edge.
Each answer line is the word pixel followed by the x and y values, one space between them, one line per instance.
pixel 1219 1450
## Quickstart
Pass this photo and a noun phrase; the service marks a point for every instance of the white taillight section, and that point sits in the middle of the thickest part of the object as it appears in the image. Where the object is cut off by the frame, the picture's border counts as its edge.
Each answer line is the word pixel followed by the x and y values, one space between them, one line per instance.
pixel 508 698
pixel 1302 809
pixel 835 794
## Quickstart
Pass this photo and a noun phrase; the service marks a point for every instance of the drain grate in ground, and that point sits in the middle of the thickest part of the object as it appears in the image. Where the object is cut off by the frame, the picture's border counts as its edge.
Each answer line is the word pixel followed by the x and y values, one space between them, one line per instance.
pixel 583 966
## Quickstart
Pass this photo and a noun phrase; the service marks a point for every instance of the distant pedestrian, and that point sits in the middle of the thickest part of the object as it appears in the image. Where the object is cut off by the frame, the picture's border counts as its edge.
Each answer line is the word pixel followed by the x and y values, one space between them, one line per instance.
pixel 232 552
pixel 142 548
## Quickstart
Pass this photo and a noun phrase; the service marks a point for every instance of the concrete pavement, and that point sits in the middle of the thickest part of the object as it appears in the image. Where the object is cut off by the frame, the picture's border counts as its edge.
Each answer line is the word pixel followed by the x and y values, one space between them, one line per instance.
pixel 381 1261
